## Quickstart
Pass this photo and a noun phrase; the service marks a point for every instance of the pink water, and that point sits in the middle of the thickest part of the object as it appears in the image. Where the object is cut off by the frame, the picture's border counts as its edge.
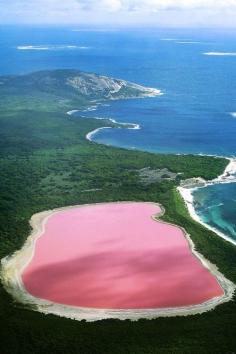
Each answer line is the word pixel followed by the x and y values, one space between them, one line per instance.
pixel 115 255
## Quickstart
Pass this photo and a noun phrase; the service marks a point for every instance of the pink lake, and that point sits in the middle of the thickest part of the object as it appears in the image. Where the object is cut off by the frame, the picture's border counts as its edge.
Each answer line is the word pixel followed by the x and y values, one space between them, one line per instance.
pixel 115 256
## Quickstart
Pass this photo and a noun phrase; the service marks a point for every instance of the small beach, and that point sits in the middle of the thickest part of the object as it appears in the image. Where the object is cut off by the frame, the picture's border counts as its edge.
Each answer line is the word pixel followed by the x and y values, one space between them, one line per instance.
pixel 188 188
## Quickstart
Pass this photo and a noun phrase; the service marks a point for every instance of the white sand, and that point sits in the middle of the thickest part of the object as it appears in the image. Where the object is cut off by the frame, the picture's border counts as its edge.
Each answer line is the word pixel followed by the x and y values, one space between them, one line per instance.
pixel 13 266
pixel 132 126
pixel 91 134
pixel 228 176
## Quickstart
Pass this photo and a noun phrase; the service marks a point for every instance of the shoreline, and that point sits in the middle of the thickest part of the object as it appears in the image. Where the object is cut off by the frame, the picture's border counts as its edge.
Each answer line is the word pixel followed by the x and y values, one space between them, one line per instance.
pixel 228 176
pixel 131 126
pixel 90 135
pixel 13 266
pixel 186 192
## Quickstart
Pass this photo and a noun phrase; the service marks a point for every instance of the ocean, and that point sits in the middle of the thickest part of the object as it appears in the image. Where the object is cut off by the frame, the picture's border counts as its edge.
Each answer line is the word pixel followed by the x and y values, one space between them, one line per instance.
pixel 195 70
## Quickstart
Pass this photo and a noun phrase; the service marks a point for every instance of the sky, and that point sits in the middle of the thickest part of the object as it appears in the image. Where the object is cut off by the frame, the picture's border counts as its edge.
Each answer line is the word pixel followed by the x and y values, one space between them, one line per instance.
pixel 160 13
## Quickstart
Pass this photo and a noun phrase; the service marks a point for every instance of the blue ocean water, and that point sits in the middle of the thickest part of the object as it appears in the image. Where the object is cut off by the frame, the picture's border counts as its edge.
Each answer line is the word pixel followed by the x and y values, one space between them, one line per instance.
pixel 193 116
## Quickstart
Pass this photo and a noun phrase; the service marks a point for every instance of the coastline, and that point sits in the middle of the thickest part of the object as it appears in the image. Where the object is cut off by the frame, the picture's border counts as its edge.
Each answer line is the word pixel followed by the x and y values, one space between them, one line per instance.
pixel 91 134
pixel 13 266
pixel 132 126
pixel 150 93
pixel 186 191
pixel 228 176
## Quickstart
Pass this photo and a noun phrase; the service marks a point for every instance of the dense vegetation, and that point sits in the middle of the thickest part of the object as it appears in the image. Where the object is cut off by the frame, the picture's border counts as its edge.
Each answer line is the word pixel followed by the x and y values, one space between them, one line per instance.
pixel 46 162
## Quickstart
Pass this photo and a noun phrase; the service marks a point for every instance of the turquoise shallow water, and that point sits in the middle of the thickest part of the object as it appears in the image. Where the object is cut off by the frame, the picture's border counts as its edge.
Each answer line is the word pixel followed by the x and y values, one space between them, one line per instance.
pixel 193 115
pixel 216 206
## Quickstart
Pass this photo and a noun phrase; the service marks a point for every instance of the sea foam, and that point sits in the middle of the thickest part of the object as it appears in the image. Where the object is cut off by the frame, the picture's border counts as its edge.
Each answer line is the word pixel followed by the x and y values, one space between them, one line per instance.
pixel 49 47
pixel 190 42
pixel 220 54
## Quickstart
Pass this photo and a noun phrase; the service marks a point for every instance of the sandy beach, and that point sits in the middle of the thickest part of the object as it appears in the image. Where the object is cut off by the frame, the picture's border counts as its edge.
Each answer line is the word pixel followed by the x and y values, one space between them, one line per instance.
pixel 13 267
pixel 187 187
pixel 90 135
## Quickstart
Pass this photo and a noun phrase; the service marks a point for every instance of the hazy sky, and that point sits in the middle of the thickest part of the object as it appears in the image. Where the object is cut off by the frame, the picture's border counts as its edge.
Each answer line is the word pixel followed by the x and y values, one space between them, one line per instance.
pixel 171 13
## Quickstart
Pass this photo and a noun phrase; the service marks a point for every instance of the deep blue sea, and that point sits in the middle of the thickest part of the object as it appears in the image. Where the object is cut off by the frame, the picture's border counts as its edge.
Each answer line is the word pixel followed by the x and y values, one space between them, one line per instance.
pixel 196 112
